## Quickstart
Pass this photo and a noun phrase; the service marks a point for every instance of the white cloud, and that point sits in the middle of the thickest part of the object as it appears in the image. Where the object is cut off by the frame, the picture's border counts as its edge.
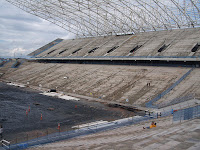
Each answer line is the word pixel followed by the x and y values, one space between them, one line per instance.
pixel 22 33
pixel 18 52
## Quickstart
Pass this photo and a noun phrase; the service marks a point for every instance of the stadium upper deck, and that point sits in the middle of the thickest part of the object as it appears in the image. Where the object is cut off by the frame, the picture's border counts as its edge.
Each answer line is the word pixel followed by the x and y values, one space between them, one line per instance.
pixel 174 45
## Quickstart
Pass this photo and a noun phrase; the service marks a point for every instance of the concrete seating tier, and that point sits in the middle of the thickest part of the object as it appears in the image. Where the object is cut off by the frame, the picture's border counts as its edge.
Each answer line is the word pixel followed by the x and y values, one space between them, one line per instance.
pixel 107 82
pixel 178 42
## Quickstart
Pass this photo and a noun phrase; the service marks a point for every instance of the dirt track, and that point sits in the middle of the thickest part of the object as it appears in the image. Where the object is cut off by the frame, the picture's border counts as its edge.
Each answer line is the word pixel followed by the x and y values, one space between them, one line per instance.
pixel 14 102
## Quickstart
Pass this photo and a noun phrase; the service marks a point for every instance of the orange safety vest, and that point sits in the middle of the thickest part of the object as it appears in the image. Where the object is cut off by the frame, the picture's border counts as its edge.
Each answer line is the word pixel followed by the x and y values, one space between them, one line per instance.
pixel 152 126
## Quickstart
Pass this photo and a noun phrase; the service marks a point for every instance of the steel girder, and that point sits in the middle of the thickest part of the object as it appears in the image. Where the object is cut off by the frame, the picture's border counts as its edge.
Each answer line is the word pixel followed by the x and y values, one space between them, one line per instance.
pixel 87 18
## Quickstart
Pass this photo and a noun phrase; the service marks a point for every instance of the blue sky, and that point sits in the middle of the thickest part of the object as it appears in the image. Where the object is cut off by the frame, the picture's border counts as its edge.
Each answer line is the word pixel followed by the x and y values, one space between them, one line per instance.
pixel 22 33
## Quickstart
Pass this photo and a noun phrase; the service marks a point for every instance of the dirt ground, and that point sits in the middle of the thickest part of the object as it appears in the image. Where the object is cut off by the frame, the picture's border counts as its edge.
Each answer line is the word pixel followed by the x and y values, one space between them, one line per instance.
pixel 15 102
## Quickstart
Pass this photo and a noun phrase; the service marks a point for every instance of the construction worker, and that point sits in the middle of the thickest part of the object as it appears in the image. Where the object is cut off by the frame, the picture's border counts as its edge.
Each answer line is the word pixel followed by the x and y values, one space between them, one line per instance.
pixel 153 125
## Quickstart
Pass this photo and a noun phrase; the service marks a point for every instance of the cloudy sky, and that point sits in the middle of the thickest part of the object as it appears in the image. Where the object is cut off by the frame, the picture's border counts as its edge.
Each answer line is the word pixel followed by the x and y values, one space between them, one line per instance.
pixel 22 33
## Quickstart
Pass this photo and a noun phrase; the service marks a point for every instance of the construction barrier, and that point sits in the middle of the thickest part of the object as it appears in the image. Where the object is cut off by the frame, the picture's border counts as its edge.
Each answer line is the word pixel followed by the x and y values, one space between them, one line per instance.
pixel 186 114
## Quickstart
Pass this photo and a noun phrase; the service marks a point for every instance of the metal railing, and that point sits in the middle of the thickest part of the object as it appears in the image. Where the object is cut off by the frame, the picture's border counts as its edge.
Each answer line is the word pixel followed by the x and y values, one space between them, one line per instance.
pixel 176 101
pixel 150 103
pixel 186 114
pixel 125 57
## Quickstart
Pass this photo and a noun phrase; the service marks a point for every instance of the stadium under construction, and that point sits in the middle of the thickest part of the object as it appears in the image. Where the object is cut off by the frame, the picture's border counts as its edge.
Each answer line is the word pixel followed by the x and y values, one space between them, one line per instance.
pixel 132 60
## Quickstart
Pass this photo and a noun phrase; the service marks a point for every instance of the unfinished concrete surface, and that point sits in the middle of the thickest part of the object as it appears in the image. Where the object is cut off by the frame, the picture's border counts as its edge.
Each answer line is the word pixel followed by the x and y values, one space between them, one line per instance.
pixel 108 82
pixel 165 136
pixel 188 86
pixel 178 42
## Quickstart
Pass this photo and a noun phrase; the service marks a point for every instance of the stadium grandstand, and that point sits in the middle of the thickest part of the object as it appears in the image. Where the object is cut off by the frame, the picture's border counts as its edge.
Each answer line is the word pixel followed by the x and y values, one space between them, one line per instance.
pixel 139 55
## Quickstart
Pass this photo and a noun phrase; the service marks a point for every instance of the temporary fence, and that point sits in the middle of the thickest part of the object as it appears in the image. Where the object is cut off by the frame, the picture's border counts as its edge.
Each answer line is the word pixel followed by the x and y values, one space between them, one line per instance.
pixel 176 101
pixel 186 114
